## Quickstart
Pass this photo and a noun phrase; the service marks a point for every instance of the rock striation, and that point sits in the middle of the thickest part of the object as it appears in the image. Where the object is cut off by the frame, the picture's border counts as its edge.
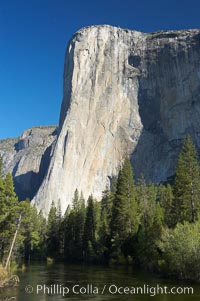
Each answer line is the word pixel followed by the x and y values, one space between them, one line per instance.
pixel 27 158
pixel 125 93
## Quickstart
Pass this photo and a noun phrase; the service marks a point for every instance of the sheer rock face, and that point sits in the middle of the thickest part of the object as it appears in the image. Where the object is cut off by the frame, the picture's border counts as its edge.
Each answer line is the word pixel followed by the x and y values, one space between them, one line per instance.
pixel 27 158
pixel 125 93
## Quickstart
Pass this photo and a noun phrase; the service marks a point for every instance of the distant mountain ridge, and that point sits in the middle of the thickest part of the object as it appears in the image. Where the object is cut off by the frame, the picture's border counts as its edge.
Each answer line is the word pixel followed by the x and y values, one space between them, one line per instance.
pixel 27 158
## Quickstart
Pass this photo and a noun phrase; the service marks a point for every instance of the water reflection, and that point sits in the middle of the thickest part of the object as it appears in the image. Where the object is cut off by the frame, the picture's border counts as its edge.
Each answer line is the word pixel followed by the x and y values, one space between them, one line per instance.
pixel 90 283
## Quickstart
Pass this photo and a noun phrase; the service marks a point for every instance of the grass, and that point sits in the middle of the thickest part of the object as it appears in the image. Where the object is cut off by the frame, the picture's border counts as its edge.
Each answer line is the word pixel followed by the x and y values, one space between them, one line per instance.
pixel 4 275
pixel 7 279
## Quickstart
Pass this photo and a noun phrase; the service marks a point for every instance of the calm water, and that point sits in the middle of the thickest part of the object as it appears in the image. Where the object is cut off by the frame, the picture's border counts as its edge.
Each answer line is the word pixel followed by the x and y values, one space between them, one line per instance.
pixel 97 278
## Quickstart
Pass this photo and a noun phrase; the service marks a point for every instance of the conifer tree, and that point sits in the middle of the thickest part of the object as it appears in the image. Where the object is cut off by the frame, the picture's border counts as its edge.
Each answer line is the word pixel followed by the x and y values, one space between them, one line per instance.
pixel 9 213
pixel 80 222
pixel 1 167
pixel 3 216
pixel 97 218
pixel 77 223
pixel 59 230
pixel 42 234
pixel 73 228
pixel 187 184
pixel 89 228
pixel 29 236
pixel 125 209
pixel 107 203
pixel 68 228
pixel 75 201
pixel 151 224
pixel 9 189
pixel 2 200
pixel 166 198
pixel 104 227
pixel 125 219
pixel 142 197
pixel 52 232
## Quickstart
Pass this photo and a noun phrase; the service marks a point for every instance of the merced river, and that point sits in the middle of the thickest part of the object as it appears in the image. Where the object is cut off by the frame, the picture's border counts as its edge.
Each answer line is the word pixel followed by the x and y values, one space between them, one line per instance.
pixel 41 282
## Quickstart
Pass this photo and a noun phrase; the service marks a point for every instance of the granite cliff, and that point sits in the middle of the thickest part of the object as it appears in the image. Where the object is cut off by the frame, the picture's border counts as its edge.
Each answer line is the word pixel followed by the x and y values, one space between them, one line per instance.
pixel 125 93
pixel 27 158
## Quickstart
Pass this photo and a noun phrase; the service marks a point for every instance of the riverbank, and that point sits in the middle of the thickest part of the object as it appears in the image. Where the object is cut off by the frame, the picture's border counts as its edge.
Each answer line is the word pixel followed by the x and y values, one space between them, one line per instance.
pixel 3 275
pixel 7 279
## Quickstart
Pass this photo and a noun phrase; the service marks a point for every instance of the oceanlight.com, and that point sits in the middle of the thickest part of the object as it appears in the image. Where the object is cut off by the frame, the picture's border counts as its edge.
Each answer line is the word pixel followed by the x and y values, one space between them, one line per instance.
pixel 111 289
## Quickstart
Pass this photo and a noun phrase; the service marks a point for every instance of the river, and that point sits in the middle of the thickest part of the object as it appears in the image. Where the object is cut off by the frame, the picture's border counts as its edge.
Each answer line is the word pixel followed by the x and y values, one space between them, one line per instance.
pixel 81 282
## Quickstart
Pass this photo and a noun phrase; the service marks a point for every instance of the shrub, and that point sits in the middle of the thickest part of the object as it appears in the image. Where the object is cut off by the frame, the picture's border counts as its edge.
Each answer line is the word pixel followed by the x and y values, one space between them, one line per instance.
pixel 181 251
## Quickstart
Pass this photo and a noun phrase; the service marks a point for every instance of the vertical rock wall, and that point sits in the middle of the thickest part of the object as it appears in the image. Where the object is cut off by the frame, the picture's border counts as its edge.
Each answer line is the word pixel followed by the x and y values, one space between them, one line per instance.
pixel 125 93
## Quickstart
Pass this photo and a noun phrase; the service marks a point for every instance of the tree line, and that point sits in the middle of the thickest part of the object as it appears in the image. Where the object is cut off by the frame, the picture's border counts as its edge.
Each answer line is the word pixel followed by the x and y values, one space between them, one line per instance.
pixel 152 226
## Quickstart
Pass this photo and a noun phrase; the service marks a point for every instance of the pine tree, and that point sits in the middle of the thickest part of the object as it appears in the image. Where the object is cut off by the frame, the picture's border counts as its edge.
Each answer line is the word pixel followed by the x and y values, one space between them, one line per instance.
pixel 52 232
pixel 125 219
pixel 143 200
pixel 3 216
pixel 77 223
pixel 29 236
pixel 68 228
pixel 104 226
pixel 1 167
pixel 42 234
pixel 9 213
pixel 9 189
pixel 166 198
pixel 59 230
pixel 73 228
pixel 107 203
pixel 89 227
pixel 97 218
pixel 151 225
pixel 75 201
pixel 2 200
pixel 80 222
pixel 11 200
pixel 124 212
pixel 187 184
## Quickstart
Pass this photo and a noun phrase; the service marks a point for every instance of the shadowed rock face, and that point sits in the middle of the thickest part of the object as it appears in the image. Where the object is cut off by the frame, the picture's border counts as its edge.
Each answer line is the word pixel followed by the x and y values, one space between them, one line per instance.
pixel 125 93
pixel 169 101
pixel 27 158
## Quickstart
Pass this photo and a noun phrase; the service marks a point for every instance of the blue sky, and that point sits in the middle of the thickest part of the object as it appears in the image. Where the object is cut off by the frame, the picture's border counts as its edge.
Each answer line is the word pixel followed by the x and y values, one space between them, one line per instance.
pixel 33 38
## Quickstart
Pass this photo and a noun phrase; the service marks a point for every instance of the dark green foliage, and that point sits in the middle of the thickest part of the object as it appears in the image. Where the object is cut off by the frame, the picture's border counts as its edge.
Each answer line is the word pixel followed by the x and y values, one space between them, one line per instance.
pixel 125 220
pixel 148 237
pixel 75 201
pixel 73 228
pixel 124 214
pixel 8 214
pixel 28 238
pixel 181 251
pixel 53 232
pixel 79 227
pixel 1 167
pixel 166 198
pixel 9 189
pixel 104 243
pixel 2 200
pixel 42 230
pixel 89 229
pixel 151 224
pixel 107 203
pixel 155 227
pixel 186 202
